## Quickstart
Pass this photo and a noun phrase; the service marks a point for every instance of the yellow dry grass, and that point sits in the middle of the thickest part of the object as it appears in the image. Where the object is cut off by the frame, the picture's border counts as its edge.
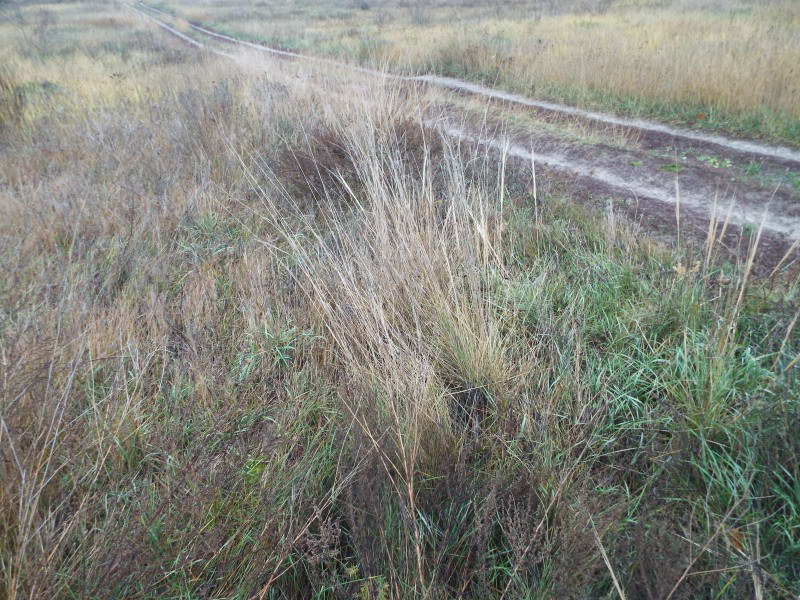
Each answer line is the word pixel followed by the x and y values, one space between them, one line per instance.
pixel 735 63
pixel 732 64
pixel 397 375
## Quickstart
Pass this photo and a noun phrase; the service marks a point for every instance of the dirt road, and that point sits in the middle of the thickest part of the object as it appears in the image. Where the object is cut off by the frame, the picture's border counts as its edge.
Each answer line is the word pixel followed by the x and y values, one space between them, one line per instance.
pixel 665 178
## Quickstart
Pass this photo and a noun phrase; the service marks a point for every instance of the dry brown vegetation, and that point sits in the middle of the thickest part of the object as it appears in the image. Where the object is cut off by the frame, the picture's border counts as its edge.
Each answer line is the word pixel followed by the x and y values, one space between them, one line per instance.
pixel 721 65
pixel 267 335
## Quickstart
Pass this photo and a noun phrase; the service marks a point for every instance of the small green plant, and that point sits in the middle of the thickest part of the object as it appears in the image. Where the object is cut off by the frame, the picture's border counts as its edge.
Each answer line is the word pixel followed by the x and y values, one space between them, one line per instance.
pixel 749 230
pixel 269 349
pixel 207 235
pixel 253 469
pixel 794 180
pixel 672 168
pixel 716 162
pixel 752 169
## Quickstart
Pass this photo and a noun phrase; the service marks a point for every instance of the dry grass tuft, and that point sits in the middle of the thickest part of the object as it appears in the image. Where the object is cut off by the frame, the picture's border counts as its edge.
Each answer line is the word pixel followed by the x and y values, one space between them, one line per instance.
pixel 716 65
pixel 275 338
pixel 323 165
pixel 11 100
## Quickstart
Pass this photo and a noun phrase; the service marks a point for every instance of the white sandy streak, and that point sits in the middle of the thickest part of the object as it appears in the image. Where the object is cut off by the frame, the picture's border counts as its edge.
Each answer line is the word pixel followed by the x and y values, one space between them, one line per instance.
pixel 291 54
pixel 780 152
pixel 180 34
pixel 775 223
pixel 578 167
pixel 172 30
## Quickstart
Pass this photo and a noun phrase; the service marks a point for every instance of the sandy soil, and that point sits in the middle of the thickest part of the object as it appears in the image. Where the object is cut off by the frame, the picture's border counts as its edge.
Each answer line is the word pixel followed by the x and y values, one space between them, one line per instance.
pixel 672 182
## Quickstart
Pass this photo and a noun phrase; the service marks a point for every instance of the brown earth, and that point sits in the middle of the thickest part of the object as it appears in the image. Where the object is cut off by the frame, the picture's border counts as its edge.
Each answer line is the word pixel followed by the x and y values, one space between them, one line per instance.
pixel 658 181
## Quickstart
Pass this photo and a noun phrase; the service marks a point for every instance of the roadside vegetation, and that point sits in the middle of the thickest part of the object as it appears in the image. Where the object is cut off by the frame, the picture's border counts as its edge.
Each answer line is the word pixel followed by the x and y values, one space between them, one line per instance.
pixel 727 66
pixel 265 334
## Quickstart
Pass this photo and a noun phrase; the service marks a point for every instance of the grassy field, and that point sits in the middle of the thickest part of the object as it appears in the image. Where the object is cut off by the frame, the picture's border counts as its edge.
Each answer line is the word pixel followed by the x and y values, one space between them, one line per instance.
pixel 265 335
pixel 729 66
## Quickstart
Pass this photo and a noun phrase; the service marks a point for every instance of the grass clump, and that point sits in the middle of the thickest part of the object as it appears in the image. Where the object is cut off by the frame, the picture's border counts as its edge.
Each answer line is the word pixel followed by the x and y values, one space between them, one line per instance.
pixel 440 395
pixel 267 339
pixel 502 55
pixel 12 99
pixel 726 67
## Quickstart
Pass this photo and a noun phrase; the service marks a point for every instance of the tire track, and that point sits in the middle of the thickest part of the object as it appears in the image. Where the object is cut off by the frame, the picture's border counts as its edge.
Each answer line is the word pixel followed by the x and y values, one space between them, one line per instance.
pixel 180 34
pixel 653 193
pixel 646 187
pixel 168 28
pixel 739 146
pixel 746 147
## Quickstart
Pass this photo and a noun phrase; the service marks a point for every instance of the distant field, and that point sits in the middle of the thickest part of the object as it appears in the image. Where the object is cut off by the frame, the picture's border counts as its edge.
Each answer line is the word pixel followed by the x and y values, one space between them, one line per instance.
pixel 268 332
pixel 719 65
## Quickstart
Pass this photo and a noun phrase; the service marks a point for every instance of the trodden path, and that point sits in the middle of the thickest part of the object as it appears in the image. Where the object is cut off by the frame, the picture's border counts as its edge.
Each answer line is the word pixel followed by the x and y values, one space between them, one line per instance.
pixel 671 181
pixel 790 156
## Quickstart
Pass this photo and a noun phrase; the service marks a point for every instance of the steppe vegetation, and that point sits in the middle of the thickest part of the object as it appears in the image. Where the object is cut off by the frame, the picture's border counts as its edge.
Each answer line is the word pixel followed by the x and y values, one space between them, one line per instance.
pixel 722 65
pixel 265 334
